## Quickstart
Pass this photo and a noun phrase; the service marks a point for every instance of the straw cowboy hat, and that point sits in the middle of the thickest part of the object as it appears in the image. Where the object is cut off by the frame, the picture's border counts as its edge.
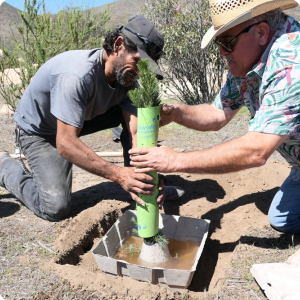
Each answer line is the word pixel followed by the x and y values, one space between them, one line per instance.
pixel 226 14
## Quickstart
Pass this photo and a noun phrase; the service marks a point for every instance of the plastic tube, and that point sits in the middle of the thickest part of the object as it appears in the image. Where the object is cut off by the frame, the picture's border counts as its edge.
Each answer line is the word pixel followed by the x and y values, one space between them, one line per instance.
pixel 147 135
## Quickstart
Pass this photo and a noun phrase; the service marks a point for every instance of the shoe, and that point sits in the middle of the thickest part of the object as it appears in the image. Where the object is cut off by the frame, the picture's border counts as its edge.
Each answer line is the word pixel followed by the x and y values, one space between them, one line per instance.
pixel 116 134
pixel 294 259
pixel 173 192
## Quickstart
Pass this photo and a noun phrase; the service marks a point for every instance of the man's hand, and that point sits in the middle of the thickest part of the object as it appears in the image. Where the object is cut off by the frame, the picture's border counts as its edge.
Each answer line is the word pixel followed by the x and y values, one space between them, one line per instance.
pixel 160 159
pixel 133 183
pixel 168 114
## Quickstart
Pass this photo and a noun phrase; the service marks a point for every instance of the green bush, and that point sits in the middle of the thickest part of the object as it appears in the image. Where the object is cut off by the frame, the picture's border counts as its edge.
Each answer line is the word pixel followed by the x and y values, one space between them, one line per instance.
pixel 43 36
pixel 192 74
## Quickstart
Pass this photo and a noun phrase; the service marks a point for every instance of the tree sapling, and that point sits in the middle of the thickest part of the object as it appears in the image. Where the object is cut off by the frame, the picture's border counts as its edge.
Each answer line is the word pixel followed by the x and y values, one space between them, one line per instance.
pixel 147 98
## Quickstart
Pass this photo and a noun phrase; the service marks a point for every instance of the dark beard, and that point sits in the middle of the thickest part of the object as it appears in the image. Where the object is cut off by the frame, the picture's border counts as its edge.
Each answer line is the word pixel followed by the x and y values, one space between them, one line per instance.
pixel 120 76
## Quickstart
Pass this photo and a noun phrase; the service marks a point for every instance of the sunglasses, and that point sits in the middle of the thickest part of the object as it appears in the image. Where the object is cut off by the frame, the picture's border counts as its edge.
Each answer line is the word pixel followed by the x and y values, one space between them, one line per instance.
pixel 228 46
pixel 151 48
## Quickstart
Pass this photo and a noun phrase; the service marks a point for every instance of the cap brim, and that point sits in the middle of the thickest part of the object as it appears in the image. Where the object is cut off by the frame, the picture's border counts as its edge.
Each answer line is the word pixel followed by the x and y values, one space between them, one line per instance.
pixel 153 65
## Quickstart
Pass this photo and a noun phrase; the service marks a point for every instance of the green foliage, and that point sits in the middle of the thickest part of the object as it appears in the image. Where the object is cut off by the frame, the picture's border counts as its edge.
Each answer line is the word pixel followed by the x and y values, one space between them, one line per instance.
pixel 193 75
pixel 159 239
pixel 244 111
pixel 129 250
pixel 43 36
pixel 147 94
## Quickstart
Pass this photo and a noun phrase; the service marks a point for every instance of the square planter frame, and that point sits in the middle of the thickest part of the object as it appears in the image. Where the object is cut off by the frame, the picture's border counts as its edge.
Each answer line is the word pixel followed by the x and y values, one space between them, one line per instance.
pixel 174 227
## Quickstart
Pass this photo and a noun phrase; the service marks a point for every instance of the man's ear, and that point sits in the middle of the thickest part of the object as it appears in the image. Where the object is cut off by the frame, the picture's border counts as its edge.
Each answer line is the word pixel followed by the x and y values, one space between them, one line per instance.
pixel 119 44
pixel 264 33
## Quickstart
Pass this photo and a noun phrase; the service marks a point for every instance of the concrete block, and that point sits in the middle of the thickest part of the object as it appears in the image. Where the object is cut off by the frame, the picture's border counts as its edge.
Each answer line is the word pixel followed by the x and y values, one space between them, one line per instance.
pixel 280 281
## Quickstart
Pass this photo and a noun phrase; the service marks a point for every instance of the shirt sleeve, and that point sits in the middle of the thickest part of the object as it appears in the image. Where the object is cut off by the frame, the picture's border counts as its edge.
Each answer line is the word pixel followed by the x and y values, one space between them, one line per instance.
pixel 229 97
pixel 69 99
pixel 127 105
pixel 280 103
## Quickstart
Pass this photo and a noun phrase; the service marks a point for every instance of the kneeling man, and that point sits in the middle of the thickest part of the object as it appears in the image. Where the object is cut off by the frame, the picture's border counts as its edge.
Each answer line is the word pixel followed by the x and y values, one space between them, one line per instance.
pixel 74 94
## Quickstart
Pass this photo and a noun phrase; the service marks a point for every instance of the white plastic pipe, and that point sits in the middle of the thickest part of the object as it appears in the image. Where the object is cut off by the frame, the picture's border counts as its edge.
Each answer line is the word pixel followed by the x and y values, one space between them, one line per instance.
pixel 101 154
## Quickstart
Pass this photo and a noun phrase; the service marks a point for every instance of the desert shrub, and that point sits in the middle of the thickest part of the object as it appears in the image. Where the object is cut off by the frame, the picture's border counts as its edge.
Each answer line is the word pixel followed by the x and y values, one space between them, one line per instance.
pixel 193 75
pixel 43 36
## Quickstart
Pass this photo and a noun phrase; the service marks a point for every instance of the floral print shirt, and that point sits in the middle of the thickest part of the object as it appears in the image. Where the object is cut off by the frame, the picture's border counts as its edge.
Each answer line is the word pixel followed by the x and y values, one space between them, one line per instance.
pixel 271 92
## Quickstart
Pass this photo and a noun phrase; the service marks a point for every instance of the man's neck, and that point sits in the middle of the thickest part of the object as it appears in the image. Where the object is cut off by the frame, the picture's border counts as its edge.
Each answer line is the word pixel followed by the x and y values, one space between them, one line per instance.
pixel 107 65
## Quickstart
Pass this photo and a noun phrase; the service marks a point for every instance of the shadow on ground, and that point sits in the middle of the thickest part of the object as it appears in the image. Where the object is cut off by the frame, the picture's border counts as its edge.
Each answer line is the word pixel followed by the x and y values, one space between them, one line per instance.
pixel 7 208
pixel 284 241
pixel 205 188
pixel 90 196
pixel 212 191
pixel 208 261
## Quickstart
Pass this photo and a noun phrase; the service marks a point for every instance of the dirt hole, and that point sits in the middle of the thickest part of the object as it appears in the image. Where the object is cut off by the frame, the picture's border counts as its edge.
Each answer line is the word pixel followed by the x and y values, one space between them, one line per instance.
pixel 82 237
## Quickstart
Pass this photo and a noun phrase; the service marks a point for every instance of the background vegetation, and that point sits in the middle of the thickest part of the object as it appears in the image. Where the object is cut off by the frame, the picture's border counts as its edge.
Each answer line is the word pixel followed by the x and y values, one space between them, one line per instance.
pixel 42 36
pixel 194 75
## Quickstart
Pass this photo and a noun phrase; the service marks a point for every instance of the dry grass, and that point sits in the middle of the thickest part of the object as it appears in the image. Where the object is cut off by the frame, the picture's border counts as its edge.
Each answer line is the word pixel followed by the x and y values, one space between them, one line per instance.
pixel 256 247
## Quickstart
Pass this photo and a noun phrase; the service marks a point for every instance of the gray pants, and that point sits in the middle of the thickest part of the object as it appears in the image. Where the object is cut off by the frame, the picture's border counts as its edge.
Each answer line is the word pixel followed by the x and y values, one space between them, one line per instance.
pixel 48 192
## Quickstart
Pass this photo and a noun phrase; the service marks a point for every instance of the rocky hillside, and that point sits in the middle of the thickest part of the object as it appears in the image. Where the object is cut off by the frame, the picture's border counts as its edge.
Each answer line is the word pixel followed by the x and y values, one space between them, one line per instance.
pixel 9 16
pixel 122 11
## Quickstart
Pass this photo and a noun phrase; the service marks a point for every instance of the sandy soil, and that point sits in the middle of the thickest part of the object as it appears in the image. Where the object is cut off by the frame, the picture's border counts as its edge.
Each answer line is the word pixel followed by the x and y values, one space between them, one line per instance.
pixel 235 203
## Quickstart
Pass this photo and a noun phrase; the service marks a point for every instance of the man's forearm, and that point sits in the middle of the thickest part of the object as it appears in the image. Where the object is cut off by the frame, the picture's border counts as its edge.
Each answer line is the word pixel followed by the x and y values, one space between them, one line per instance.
pixel 204 117
pixel 224 158
pixel 235 155
pixel 75 151
pixel 85 158
pixel 251 150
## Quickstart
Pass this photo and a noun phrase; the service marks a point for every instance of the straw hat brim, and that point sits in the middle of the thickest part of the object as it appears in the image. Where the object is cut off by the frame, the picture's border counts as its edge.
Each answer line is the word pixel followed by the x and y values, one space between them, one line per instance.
pixel 248 15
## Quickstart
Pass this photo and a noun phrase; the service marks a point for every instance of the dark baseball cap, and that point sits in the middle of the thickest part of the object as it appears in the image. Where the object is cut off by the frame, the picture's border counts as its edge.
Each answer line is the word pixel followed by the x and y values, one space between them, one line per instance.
pixel 147 38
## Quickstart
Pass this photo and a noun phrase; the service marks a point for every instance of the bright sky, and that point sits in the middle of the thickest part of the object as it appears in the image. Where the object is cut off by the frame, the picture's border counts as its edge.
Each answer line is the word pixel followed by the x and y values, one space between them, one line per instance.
pixel 53 5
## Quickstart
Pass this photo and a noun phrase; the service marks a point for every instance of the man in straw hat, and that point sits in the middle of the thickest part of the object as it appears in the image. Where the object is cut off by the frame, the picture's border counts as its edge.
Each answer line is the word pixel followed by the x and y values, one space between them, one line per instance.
pixel 262 47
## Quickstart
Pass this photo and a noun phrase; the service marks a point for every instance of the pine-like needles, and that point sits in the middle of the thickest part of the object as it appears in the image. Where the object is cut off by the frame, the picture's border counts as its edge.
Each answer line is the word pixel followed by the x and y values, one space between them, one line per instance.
pixel 159 239
pixel 147 94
